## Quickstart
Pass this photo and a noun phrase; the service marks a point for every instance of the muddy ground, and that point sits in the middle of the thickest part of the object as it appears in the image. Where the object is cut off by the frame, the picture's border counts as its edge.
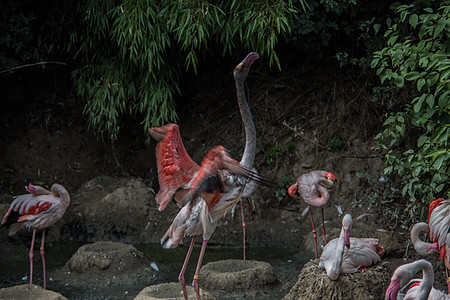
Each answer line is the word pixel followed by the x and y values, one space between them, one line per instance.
pixel 305 118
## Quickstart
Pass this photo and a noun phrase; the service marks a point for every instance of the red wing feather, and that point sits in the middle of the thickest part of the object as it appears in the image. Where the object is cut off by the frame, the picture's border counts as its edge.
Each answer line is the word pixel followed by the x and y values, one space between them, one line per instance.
pixel 175 166
pixel 433 205
pixel 216 159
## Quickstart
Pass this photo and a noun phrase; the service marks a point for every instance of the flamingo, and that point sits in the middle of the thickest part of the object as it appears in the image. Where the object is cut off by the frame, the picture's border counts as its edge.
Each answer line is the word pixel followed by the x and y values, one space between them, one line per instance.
pixel 423 248
pixel 360 252
pixel 439 224
pixel 38 210
pixel 414 289
pixel 206 192
pixel 313 188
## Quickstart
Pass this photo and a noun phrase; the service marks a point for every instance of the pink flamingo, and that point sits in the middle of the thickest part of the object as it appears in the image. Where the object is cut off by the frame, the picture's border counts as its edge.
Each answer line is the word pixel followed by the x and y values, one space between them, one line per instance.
pixel 313 188
pixel 349 255
pixel 414 289
pixel 206 192
pixel 439 224
pixel 38 210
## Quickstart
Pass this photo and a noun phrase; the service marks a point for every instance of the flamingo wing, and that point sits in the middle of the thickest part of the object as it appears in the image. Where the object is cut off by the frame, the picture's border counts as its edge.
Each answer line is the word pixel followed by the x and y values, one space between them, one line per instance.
pixel 439 223
pixel 25 206
pixel 362 253
pixel 175 167
pixel 208 179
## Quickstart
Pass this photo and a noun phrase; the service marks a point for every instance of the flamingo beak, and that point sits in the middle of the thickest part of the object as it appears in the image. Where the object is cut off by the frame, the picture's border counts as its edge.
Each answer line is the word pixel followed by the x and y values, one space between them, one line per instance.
pixel 347 238
pixel 392 290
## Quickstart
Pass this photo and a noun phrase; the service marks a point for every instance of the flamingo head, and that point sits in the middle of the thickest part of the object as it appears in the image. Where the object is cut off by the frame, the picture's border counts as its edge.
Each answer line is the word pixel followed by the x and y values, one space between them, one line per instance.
pixel 293 191
pixel 330 176
pixel 30 189
pixel 433 248
pixel 241 70
pixel 393 288
pixel 347 223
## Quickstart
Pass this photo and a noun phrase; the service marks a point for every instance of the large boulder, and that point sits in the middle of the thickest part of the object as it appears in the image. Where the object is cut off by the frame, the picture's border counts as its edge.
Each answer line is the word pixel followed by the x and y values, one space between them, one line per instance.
pixel 114 209
pixel 105 264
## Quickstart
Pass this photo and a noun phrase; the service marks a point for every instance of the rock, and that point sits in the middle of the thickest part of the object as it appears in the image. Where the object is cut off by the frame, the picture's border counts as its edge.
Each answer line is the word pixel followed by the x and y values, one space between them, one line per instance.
pixel 104 264
pixel 29 292
pixel 114 209
pixel 237 277
pixel 170 291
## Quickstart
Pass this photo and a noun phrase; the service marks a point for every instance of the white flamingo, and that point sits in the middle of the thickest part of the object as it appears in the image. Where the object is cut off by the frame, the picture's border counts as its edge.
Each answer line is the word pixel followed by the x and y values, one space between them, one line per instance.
pixel 349 255
pixel 403 286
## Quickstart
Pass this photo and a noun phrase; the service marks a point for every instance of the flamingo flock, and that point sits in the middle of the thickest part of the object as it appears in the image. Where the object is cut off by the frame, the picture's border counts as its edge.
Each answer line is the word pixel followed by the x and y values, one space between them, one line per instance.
pixel 206 192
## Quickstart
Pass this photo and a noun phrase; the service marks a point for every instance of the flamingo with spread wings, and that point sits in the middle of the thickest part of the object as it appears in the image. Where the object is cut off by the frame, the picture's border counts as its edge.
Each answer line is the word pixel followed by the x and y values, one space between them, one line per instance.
pixel 38 210
pixel 206 192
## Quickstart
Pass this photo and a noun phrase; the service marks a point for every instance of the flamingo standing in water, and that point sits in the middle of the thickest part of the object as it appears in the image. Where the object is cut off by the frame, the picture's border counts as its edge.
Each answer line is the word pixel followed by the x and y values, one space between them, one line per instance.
pixel 38 210
pixel 439 224
pixel 349 255
pixel 414 289
pixel 313 188
pixel 206 192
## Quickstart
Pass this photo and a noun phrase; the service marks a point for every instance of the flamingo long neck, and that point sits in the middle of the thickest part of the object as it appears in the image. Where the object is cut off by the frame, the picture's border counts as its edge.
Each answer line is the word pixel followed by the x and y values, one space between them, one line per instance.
pixel 338 256
pixel 420 246
pixel 322 186
pixel 250 132
pixel 427 280
pixel 63 194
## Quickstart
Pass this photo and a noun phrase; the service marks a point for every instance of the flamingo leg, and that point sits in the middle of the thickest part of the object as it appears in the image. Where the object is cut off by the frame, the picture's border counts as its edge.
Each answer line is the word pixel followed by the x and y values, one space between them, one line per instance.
pixel 41 250
pixel 314 232
pixel 197 271
pixel 323 228
pixel 243 225
pixel 31 256
pixel 183 269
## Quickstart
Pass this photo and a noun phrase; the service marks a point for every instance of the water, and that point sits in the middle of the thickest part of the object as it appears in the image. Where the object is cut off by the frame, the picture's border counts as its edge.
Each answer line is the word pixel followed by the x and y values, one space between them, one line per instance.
pixel 286 263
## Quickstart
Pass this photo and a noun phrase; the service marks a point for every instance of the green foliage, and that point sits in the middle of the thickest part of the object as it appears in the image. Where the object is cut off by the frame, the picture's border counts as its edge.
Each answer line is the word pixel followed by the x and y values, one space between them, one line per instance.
pixel 277 151
pixel 132 54
pixel 335 144
pixel 284 184
pixel 417 56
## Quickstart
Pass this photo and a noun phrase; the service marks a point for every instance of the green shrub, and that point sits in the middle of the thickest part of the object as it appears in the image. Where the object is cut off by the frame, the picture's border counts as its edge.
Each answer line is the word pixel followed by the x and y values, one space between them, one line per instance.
pixel 132 54
pixel 417 57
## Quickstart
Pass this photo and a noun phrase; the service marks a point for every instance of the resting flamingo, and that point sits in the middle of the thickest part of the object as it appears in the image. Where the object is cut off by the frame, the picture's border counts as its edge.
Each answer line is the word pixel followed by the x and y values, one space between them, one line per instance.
pixel 414 289
pixel 423 248
pixel 206 192
pixel 439 224
pixel 349 255
pixel 313 188
pixel 38 210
